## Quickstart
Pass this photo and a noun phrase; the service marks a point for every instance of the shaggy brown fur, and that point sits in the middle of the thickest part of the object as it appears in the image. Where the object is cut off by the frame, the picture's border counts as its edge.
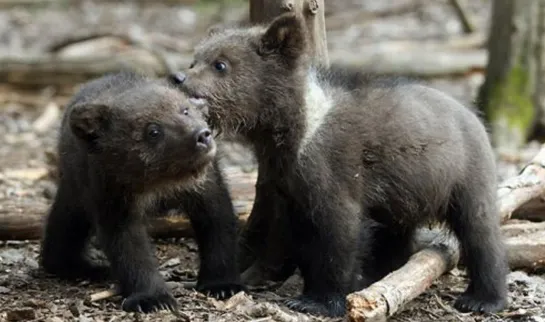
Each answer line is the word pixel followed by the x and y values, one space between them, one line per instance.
pixel 356 162
pixel 127 145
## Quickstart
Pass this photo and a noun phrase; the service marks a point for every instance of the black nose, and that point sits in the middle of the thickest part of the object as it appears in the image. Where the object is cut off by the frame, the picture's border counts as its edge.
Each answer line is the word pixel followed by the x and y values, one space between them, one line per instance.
pixel 204 137
pixel 177 78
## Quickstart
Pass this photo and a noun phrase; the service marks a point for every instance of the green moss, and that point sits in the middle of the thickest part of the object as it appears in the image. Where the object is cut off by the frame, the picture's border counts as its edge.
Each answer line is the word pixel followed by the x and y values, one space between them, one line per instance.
pixel 511 100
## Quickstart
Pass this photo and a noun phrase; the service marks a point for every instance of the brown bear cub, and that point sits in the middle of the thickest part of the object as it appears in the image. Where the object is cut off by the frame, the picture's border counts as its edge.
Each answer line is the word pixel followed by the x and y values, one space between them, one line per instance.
pixel 342 148
pixel 127 144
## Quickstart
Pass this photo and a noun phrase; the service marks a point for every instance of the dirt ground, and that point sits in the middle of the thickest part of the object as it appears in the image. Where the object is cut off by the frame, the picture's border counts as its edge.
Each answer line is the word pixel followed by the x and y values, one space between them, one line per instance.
pixel 25 172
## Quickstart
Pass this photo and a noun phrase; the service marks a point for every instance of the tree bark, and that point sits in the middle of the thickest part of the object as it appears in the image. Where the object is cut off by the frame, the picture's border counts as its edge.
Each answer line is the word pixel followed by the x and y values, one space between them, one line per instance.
pixel 508 95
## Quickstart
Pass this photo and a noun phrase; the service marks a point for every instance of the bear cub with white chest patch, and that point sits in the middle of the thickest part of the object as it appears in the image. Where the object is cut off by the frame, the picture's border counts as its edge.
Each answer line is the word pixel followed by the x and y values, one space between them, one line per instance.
pixel 128 144
pixel 342 149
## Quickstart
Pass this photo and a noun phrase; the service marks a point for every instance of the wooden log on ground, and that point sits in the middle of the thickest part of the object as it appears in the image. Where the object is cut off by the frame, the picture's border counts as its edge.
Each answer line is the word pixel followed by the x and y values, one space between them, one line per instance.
pixel 415 62
pixel 24 221
pixel 21 222
pixel 70 69
pixel 513 229
pixel 528 186
pixel 385 297
pixel 46 70
pixel 527 251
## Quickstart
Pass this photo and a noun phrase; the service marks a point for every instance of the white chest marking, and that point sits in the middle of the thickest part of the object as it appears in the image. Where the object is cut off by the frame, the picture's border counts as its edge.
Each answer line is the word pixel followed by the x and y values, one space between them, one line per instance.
pixel 317 105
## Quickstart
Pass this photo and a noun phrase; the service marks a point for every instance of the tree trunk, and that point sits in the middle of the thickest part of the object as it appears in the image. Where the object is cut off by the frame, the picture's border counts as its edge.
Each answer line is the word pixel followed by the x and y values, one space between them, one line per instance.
pixel 265 247
pixel 508 95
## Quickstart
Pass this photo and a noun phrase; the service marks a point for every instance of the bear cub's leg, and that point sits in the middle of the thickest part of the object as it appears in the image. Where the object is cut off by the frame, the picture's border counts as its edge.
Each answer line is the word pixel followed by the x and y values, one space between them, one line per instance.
pixel 215 225
pixel 327 257
pixel 473 218
pixel 125 241
pixel 66 234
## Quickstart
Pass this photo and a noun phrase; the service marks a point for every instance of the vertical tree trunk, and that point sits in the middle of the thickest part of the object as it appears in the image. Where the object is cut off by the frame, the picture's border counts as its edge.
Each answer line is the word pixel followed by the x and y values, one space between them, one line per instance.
pixel 508 95
pixel 265 245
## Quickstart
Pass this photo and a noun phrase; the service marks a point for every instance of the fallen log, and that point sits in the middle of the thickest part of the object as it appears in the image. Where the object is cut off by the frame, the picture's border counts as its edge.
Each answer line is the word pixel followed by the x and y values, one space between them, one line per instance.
pixel 527 251
pixel 515 193
pixel 20 220
pixel 48 70
pixel 25 223
pixel 514 229
pixel 52 70
pixel 415 62
pixel 385 297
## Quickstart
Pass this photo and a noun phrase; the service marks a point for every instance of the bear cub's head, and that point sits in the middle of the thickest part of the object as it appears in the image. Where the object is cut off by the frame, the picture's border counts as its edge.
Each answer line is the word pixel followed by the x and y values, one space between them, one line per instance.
pixel 144 135
pixel 242 74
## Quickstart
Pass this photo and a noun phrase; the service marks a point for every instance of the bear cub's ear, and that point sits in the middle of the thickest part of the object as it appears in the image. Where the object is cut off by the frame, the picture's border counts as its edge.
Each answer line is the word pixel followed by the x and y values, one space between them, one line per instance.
pixel 286 35
pixel 89 121
pixel 215 29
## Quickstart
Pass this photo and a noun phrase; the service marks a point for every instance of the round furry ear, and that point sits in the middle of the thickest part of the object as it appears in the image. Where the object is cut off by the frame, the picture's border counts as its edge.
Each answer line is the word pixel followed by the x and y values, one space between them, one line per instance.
pixel 88 121
pixel 286 35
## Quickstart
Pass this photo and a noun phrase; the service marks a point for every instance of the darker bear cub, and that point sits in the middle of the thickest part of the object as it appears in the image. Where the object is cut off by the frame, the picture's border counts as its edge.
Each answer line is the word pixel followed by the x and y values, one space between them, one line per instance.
pixel 341 149
pixel 128 144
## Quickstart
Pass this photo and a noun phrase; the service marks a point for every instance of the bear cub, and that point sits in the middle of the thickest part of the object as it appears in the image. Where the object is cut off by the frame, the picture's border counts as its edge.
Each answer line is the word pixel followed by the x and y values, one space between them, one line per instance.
pixel 127 145
pixel 340 149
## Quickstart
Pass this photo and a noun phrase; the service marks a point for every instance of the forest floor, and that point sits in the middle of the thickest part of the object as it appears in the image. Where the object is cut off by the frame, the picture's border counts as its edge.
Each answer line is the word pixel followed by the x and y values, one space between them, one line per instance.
pixel 26 172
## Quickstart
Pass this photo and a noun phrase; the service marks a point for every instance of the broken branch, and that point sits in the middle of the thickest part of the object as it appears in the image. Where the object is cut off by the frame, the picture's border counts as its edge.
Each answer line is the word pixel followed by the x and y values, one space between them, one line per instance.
pixel 529 185
pixel 106 294
pixel 385 297
pixel 465 19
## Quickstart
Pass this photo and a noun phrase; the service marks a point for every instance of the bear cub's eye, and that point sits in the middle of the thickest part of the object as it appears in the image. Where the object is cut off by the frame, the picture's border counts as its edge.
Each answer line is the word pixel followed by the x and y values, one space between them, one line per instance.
pixel 154 131
pixel 192 64
pixel 185 111
pixel 220 66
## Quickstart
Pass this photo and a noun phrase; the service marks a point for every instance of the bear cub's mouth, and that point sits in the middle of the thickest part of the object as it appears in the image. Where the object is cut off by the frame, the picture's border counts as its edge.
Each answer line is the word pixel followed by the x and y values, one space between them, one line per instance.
pixel 198 100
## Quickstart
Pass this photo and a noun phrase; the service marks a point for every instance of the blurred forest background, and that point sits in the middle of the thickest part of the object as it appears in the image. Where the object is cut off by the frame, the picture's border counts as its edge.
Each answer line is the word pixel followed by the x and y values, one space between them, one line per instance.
pixel 480 51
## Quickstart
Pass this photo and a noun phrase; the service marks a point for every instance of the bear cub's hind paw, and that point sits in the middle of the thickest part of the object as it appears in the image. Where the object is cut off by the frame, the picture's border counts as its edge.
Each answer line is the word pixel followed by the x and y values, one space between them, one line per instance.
pixel 221 291
pixel 333 306
pixel 149 302
pixel 471 303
